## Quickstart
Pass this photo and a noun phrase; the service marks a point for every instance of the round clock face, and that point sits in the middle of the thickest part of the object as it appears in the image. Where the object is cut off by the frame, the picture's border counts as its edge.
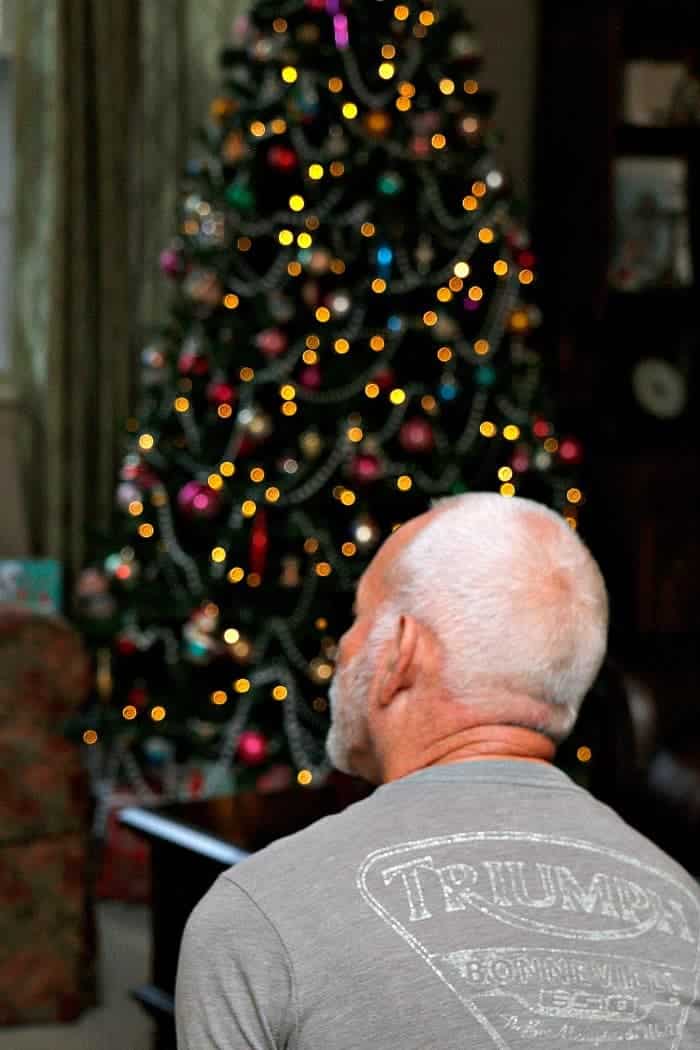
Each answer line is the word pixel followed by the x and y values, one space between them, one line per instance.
pixel 659 388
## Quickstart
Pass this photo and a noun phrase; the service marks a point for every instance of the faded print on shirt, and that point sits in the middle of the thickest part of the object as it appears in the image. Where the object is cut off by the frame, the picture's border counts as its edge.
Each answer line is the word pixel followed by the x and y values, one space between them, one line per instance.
pixel 546 940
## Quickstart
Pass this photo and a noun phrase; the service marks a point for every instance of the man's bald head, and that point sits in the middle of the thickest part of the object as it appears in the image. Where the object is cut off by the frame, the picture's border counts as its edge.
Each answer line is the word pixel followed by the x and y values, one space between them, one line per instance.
pixel 511 593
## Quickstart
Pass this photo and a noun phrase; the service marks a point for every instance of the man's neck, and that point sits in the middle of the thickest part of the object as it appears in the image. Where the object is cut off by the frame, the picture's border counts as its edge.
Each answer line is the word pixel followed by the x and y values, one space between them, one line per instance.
pixel 480 742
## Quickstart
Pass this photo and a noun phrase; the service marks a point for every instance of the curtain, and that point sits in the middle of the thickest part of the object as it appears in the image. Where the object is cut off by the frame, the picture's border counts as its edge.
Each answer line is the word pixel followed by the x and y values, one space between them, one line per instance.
pixel 107 97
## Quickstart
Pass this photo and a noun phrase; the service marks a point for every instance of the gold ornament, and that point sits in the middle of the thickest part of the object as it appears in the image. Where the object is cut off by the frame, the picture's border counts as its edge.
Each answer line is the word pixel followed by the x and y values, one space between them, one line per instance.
pixel 310 442
pixel 233 147
pixel 377 122
pixel 222 107
pixel 290 571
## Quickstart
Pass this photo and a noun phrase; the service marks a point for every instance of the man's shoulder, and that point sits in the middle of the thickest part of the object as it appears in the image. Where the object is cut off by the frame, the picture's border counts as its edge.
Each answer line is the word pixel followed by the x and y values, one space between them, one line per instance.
pixel 303 850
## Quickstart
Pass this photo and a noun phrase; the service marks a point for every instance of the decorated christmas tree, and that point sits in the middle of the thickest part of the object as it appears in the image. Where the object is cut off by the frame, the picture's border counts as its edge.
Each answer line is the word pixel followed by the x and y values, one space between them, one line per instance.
pixel 353 334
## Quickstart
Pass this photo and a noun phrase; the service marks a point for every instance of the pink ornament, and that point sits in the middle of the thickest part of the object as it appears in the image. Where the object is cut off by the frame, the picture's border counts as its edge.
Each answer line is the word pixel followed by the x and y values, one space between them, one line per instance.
pixel 570 450
pixel 520 461
pixel 252 748
pixel 240 29
pixel 171 262
pixel 365 468
pixel 127 492
pixel 282 158
pixel 416 435
pixel 220 393
pixel 192 363
pixel 91 582
pixel 271 342
pixel 310 377
pixel 197 500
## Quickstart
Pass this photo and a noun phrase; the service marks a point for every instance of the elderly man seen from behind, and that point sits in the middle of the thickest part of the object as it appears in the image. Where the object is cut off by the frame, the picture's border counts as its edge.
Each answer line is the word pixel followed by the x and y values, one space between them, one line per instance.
pixel 478 898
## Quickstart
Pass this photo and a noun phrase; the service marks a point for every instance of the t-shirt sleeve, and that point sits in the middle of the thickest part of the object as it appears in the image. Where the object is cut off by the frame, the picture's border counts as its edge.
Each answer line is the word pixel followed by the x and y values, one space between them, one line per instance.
pixel 234 985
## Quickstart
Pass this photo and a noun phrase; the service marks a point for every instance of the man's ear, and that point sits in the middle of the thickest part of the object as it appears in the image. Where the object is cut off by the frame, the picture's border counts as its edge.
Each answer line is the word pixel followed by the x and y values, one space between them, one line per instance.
pixel 401 671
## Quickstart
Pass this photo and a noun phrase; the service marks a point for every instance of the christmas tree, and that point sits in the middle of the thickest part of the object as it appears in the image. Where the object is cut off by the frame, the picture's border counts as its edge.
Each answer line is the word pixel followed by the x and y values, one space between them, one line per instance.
pixel 353 334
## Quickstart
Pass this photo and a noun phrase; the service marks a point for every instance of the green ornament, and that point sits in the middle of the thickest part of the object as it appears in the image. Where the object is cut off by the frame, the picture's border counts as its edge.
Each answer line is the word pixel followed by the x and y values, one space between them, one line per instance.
pixel 390 183
pixel 485 376
pixel 240 196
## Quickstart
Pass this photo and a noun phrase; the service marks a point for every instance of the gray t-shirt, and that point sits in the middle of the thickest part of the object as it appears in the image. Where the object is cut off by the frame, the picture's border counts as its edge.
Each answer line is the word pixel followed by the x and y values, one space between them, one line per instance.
pixel 478 905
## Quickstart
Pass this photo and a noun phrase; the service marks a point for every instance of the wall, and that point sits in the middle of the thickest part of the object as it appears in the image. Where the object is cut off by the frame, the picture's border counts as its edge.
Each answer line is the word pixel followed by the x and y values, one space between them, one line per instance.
pixel 508 30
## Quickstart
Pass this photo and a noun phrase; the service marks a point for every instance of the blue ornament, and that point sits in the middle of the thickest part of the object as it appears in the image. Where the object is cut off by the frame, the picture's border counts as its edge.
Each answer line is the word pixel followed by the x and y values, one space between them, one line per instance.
pixel 158 751
pixel 384 259
pixel 304 256
pixel 112 563
pixel 197 650
pixel 390 183
pixel 485 375
pixel 395 323
pixel 447 390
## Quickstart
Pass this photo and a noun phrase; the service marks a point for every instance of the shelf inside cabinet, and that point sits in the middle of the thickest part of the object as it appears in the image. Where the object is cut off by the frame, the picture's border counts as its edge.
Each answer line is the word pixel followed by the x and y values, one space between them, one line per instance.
pixel 647 141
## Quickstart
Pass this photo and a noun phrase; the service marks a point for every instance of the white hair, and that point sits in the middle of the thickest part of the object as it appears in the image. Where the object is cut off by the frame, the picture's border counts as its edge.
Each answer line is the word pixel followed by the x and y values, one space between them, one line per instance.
pixel 514 597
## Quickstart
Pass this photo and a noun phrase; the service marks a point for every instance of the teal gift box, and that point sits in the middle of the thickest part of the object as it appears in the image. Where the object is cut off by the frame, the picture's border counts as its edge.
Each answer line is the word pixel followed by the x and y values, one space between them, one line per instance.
pixel 32 583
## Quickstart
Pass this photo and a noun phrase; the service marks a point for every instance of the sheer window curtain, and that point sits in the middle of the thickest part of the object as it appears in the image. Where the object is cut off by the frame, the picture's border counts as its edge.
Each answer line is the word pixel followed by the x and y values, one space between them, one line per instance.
pixel 107 96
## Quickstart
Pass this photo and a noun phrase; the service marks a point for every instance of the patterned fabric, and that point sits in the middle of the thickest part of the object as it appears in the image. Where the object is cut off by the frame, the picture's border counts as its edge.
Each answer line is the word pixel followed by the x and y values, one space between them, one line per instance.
pixel 47 940
pixel 43 678
pixel 46 932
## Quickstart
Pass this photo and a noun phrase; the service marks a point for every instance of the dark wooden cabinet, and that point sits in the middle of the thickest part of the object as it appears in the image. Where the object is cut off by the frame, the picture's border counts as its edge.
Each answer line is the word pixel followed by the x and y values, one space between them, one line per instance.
pixel 627 359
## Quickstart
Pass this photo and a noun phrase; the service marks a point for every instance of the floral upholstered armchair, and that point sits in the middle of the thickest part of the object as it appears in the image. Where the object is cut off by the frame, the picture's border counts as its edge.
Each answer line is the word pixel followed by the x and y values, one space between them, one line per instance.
pixel 46 922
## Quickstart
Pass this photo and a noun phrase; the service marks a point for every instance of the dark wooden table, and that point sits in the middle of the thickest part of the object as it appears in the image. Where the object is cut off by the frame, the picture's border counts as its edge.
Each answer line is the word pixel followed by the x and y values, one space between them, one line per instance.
pixel 191 844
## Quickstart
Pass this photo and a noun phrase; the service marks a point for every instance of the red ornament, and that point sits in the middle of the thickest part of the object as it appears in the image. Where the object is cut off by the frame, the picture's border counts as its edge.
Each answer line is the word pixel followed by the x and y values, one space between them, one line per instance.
pixel 195 783
pixel 570 450
pixel 416 435
pixel 384 379
pixel 246 447
pixel 137 696
pixel 259 543
pixel 282 158
pixel 252 748
pixel 192 363
pixel 134 469
pixel 221 393
pixel 365 468
pixel 271 342
pixel 527 260
pixel 542 428
pixel 420 146
pixel 310 377
pixel 197 500
pixel 125 646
